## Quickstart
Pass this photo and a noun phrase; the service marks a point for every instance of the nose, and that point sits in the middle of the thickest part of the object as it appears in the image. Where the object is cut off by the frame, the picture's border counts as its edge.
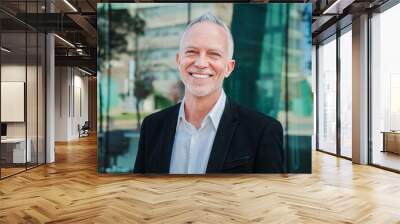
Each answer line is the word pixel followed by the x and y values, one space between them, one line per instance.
pixel 201 61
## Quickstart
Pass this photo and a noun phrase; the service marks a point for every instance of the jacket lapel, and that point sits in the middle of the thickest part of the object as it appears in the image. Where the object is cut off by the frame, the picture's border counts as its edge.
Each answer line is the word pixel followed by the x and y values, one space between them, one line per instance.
pixel 164 150
pixel 223 137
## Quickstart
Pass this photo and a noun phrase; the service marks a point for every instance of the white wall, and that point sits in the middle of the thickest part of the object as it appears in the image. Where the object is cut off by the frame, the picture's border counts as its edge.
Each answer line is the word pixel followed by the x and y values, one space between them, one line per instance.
pixel 16 73
pixel 81 100
pixel 33 126
pixel 71 94
pixel 61 103
pixel 12 73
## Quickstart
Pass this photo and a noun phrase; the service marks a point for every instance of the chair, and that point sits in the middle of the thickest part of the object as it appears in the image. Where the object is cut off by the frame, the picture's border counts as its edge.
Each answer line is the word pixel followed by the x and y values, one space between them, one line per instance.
pixel 84 130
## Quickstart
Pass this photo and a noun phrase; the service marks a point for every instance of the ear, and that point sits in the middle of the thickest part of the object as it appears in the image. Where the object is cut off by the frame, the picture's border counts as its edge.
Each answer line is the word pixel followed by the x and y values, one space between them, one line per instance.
pixel 230 66
pixel 178 59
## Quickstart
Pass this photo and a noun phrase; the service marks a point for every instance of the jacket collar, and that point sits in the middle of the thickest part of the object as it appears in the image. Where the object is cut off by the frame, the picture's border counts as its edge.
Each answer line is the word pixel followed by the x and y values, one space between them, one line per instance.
pixel 223 138
pixel 221 145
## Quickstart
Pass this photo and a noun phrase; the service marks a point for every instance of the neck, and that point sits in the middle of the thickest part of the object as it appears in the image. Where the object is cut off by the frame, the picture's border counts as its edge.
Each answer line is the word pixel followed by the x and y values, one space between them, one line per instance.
pixel 196 108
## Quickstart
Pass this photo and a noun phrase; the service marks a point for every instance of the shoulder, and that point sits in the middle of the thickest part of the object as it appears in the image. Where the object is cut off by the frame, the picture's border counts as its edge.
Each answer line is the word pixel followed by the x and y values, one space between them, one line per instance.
pixel 254 118
pixel 162 115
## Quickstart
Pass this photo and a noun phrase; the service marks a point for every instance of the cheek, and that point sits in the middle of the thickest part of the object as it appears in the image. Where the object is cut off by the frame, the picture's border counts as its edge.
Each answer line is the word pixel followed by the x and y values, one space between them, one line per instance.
pixel 182 69
pixel 186 63
pixel 219 68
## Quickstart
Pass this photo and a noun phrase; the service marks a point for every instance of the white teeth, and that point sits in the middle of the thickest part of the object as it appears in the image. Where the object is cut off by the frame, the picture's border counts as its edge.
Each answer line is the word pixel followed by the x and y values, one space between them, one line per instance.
pixel 198 76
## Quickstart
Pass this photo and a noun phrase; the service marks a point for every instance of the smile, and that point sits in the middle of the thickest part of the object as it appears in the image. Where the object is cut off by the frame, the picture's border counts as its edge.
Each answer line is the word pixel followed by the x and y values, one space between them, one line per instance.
pixel 200 76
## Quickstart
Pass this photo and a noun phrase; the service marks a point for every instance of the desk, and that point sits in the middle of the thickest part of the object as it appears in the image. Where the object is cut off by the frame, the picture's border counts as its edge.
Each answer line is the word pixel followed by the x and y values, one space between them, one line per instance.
pixel 391 141
pixel 17 146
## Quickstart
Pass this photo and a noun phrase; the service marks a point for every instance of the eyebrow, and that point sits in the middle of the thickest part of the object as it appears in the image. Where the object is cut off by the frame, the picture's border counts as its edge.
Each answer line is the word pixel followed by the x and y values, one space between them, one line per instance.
pixel 210 50
pixel 189 48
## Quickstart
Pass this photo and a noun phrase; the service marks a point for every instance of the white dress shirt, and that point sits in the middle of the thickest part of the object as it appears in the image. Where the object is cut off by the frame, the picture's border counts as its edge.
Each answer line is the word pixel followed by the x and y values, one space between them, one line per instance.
pixel 192 146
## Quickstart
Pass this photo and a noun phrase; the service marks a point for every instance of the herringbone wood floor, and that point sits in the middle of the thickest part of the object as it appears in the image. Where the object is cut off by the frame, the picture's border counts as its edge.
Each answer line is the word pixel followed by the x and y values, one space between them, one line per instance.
pixel 70 191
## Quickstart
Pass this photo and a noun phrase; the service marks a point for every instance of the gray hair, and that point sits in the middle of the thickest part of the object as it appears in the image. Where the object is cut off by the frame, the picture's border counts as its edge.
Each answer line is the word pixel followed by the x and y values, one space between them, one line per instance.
pixel 209 17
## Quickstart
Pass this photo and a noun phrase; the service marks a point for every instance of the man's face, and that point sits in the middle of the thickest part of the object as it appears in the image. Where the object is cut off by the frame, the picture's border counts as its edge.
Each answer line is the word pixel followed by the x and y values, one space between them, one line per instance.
pixel 203 59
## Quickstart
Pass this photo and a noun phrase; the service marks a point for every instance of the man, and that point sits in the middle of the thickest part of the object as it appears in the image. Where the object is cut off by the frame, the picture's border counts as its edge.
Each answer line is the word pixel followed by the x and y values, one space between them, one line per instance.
pixel 208 132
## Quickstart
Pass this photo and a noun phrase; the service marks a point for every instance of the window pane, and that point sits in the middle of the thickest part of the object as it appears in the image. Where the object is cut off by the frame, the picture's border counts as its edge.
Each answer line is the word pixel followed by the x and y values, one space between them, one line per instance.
pixel 327 96
pixel 13 84
pixel 386 89
pixel 41 99
pixel 345 94
pixel 31 97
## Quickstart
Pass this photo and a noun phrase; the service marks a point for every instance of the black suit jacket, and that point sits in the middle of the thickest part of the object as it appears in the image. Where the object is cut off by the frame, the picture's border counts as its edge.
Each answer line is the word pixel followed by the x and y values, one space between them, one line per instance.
pixel 246 142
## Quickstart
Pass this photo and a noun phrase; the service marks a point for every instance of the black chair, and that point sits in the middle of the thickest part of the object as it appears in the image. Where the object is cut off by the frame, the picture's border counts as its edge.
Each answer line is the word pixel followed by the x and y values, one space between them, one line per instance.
pixel 84 130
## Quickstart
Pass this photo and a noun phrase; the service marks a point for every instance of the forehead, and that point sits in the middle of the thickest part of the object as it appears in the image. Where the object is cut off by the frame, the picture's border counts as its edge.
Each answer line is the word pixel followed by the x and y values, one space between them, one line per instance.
pixel 205 34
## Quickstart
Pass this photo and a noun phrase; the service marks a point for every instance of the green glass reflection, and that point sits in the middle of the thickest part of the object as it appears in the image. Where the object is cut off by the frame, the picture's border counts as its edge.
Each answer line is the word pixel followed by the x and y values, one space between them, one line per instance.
pixel 273 72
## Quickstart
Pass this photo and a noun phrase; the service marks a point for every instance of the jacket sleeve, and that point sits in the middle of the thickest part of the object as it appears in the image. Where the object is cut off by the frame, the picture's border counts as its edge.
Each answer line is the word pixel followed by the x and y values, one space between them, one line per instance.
pixel 140 164
pixel 270 153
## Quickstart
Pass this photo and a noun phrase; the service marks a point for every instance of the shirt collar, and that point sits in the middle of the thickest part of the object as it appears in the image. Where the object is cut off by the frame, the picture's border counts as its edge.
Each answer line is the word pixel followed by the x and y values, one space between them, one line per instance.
pixel 215 114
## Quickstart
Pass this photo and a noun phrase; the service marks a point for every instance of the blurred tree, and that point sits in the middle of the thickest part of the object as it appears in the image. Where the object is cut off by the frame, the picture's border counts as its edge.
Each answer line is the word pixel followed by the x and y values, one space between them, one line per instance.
pixel 143 85
pixel 117 24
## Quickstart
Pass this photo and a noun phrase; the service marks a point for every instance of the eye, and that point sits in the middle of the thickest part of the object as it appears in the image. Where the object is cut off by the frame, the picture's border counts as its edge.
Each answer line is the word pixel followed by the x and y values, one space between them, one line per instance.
pixel 190 52
pixel 215 55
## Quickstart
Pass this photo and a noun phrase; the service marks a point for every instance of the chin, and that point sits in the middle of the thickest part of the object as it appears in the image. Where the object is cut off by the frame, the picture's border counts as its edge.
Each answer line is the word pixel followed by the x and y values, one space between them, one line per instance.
pixel 201 91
